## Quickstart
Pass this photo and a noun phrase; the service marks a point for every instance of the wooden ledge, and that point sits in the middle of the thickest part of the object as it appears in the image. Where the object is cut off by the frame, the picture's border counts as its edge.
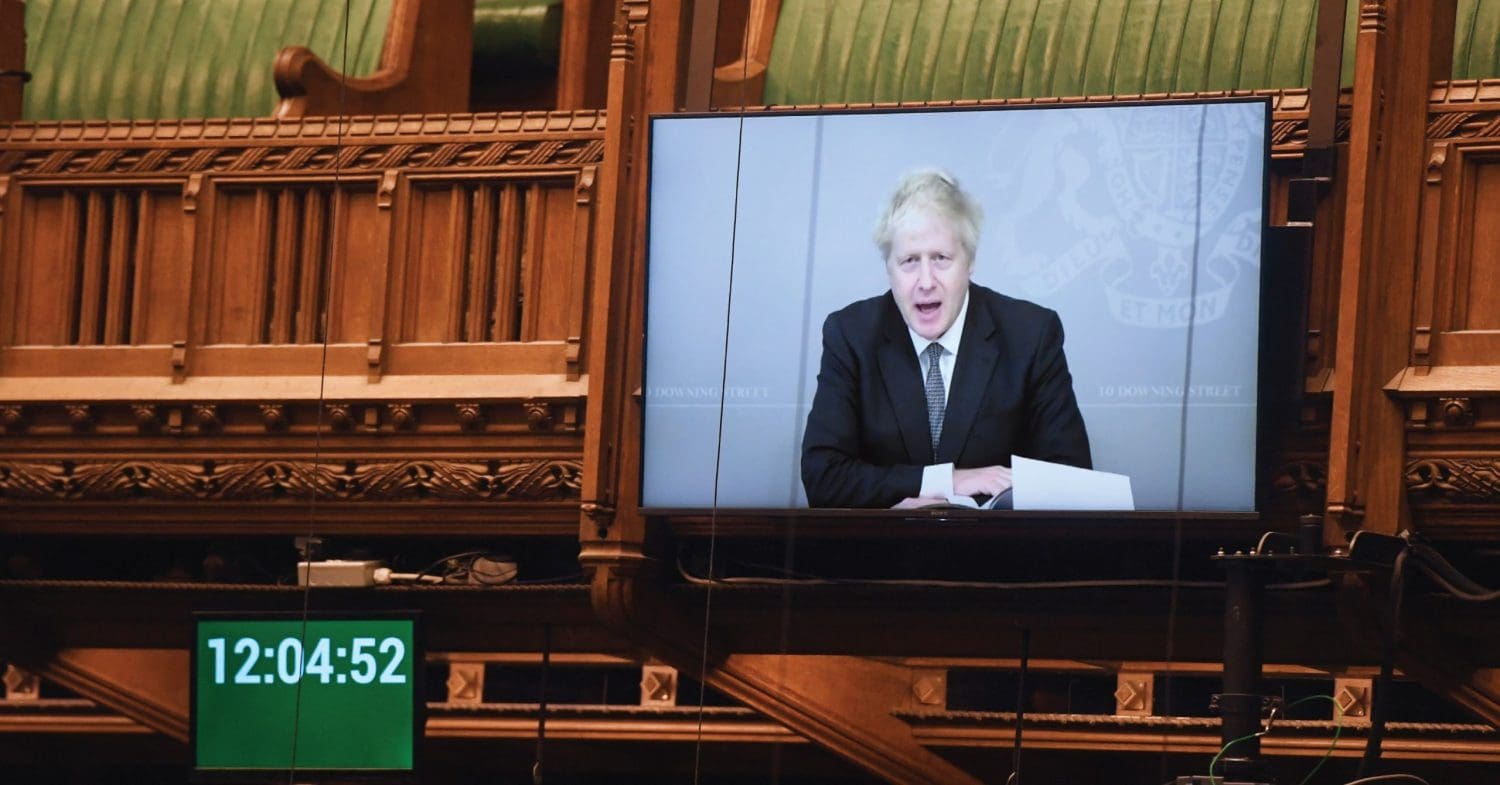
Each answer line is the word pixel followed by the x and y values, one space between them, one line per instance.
pixel 1418 381
pixel 948 524
pixel 271 129
pixel 476 387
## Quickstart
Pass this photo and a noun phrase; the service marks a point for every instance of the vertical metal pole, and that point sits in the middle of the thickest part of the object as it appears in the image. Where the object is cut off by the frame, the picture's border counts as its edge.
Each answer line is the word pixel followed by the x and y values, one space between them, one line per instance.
pixel 1240 704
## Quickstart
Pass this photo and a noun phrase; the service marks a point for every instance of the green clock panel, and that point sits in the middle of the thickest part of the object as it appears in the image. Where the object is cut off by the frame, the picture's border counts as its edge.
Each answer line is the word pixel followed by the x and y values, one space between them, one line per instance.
pixel 320 694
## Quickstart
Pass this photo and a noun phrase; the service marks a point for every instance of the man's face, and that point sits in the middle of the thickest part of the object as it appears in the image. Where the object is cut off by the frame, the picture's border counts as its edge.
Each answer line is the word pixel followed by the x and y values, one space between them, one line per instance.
pixel 929 273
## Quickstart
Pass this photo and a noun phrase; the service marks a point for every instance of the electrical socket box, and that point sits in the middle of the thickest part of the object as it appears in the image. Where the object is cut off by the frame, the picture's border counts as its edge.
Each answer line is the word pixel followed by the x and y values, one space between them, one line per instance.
pixel 336 572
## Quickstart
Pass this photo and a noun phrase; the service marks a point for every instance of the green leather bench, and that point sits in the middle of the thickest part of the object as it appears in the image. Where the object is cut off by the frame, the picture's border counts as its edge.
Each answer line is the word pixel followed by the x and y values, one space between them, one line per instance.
pixel 193 58
pixel 159 59
pixel 857 51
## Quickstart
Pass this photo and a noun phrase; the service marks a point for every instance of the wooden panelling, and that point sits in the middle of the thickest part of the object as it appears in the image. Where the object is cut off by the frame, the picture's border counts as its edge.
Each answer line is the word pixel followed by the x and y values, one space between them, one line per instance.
pixel 103 266
pixel 1457 297
pixel 282 253
pixel 490 261
pixel 1477 282
pixel 446 245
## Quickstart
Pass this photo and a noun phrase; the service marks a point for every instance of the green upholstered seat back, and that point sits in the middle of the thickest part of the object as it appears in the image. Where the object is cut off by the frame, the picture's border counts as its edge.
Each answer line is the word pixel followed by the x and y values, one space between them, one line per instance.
pixel 1476 40
pixel 855 51
pixel 92 59
pixel 517 33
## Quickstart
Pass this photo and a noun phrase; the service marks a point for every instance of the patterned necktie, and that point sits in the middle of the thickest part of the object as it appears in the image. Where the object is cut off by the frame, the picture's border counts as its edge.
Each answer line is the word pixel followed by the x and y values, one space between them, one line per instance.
pixel 935 400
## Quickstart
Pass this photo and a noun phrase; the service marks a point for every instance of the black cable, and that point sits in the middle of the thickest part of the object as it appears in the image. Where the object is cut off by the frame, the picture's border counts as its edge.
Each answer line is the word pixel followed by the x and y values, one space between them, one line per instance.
pixel 312 502
pixel 1015 763
pixel 1381 703
pixel 713 521
pixel 1432 563
pixel 471 555
pixel 1457 592
pixel 541 711
pixel 1187 379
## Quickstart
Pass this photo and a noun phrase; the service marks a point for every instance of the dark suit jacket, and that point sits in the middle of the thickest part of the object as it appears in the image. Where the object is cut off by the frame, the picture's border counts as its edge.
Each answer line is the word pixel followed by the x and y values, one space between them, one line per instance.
pixel 867 439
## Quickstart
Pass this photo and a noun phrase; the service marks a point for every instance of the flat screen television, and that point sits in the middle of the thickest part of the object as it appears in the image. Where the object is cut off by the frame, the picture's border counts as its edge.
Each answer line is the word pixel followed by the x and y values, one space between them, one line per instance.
pixel 1128 235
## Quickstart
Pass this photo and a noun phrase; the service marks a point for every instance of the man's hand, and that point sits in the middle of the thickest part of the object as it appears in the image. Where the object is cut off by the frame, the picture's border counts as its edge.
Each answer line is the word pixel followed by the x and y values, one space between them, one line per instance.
pixel 984 481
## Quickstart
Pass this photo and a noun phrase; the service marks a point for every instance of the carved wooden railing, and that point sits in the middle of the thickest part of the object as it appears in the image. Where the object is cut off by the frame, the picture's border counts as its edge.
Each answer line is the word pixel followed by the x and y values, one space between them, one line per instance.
pixel 384 309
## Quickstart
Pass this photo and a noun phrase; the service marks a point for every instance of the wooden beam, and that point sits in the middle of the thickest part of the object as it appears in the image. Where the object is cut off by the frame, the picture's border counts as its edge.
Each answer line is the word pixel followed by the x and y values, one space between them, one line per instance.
pixel 149 686
pixel 840 703
pixel 1328 55
pixel 1398 42
pixel 700 64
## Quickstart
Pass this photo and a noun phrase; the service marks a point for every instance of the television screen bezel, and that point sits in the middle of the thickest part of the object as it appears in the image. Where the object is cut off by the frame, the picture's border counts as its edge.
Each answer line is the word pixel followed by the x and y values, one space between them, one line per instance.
pixel 1264 385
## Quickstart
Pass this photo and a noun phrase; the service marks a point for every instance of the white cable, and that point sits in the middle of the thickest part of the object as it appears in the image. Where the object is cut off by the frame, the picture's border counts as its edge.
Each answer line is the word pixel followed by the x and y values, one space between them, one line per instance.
pixel 1389 778
pixel 383 576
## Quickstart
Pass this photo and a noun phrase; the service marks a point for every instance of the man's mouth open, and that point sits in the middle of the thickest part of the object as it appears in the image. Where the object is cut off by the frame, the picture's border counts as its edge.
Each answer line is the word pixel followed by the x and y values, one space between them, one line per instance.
pixel 928 309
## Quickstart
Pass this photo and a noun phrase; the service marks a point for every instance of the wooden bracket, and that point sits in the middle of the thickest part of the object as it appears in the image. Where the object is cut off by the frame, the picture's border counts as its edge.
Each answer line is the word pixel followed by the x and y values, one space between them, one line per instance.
pixel 658 685
pixel 21 685
pixel 190 191
pixel 1135 694
pixel 179 361
pixel 465 682
pixel 375 359
pixel 929 688
pixel 1353 698
pixel 572 351
pixel 385 194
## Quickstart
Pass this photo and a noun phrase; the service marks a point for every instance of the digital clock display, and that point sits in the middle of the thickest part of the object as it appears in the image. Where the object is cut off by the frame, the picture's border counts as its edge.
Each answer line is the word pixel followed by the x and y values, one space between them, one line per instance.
pixel 321 694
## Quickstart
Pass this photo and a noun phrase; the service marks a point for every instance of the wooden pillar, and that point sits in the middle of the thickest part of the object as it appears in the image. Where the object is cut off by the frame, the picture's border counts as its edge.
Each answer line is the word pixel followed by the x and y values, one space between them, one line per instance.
pixel 1402 46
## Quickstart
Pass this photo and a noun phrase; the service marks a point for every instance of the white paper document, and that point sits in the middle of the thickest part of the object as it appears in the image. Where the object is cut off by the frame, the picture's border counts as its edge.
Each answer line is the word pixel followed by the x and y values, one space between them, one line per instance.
pixel 1039 485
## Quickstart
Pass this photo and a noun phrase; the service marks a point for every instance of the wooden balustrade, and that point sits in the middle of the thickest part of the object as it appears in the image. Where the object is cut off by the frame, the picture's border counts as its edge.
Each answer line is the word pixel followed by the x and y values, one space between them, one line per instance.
pixel 381 312
pixel 454 245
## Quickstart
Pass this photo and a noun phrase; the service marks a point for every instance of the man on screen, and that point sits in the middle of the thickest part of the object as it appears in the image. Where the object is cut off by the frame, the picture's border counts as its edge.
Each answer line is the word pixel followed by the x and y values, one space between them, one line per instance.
pixel 927 390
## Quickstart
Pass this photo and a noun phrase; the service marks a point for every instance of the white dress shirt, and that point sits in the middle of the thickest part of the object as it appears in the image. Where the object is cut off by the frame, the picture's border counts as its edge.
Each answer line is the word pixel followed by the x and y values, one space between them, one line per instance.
pixel 937 480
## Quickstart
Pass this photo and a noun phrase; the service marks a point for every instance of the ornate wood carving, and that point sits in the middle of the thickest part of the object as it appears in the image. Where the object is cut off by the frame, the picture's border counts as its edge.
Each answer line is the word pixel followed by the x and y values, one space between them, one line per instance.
pixel 80 418
pixel 239 480
pixel 1457 412
pixel 147 417
pixel 470 416
pixel 274 416
pixel 340 416
pixel 1302 476
pixel 401 416
pixel 286 421
pixel 1456 479
pixel 539 416
pixel 206 416
pixel 13 418
pixel 243 145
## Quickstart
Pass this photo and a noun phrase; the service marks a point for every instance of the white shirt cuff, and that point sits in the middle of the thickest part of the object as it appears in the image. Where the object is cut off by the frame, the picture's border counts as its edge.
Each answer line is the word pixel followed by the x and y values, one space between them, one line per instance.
pixel 937 481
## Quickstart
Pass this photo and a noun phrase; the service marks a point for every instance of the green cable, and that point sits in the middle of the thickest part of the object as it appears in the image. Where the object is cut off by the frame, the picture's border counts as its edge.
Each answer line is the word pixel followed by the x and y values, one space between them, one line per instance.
pixel 1338 728
pixel 1338 718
